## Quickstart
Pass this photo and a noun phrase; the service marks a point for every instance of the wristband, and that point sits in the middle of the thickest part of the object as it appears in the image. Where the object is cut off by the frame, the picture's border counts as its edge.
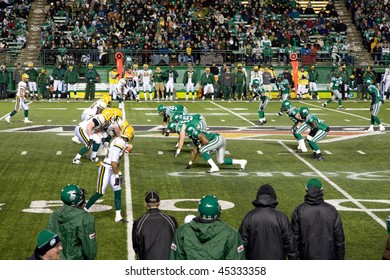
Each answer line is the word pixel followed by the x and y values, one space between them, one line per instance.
pixel 190 162
pixel 116 176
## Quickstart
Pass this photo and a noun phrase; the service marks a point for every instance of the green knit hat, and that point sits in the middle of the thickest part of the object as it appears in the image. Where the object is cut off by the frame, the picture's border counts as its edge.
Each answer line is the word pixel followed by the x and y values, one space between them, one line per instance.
pixel 314 182
pixel 46 241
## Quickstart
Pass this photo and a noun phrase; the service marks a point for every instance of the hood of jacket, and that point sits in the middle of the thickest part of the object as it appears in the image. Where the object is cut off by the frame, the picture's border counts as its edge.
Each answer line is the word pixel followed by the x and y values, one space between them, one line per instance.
pixel 206 230
pixel 314 196
pixel 68 213
pixel 265 200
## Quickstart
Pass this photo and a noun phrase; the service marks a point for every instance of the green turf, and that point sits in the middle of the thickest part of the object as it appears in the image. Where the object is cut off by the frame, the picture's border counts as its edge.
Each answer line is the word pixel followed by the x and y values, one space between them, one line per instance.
pixel 40 174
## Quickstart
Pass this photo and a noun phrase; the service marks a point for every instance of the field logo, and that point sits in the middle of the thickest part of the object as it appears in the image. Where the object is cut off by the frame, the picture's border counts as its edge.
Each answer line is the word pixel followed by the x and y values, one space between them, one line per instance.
pixel 45 206
pixel 169 205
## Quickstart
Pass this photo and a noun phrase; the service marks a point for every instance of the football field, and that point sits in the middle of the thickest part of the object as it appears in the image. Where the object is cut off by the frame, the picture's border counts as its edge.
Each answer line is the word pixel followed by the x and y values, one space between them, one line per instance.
pixel 36 162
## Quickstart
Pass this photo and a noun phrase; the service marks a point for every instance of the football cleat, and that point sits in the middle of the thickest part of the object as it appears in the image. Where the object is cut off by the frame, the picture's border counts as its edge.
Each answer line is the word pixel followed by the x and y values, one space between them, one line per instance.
pixel 95 159
pixel 27 121
pixel 76 140
pixel 121 220
pixel 76 161
pixel 323 105
pixel 341 108
pixel 243 164
pixel 381 128
pixel 8 119
pixel 213 170
pixel 371 129
pixel 319 157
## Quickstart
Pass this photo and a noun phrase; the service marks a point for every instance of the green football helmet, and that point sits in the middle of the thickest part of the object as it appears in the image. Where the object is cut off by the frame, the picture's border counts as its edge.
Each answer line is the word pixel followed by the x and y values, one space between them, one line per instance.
pixel 280 77
pixel 160 108
pixel 172 126
pixel 209 207
pixel 337 73
pixel 73 195
pixel 304 111
pixel 286 105
pixel 176 117
pixel 190 129
pixel 256 82
pixel 368 82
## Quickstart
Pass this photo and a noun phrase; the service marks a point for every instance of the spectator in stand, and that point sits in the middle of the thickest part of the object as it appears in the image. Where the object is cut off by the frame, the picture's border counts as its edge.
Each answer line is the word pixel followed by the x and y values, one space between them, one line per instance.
pixel 340 26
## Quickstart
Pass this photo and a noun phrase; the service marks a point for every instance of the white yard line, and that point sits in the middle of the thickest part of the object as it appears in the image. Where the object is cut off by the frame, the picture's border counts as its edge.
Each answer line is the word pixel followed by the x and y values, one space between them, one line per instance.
pixel 129 204
pixel 334 185
pixel 233 113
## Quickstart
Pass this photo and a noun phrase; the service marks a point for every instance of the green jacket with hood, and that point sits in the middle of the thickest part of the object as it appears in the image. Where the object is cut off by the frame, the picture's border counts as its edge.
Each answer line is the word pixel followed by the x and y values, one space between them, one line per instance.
pixel 76 229
pixel 207 240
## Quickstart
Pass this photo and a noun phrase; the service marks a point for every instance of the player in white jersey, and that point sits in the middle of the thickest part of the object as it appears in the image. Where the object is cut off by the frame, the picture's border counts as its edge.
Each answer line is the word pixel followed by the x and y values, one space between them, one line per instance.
pixel 89 133
pixel 256 74
pixel 110 172
pixel 21 97
pixel 386 84
pixel 132 88
pixel 145 76
pixel 136 80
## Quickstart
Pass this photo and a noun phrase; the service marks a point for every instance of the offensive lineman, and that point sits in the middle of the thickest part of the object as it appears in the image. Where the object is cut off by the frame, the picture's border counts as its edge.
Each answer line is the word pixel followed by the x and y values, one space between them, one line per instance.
pixel 21 97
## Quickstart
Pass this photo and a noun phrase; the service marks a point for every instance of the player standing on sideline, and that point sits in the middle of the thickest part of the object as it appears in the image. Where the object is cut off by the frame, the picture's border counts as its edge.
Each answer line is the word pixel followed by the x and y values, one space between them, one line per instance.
pixel 318 130
pixel 159 83
pixel 170 75
pixel 145 76
pixel 207 81
pixel 189 80
pixel 58 77
pixel 136 80
pixel 21 97
pixel 32 82
pixel 258 91
pixel 91 77
pixel 239 83
pixel 299 126
pixel 335 84
pixel 376 103
pixel 43 85
pixel 113 76
pixel 110 172
pixel 303 84
pixel 208 142
pixel 313 80
pixel 284 87
pixel 72 78
pixel 386 83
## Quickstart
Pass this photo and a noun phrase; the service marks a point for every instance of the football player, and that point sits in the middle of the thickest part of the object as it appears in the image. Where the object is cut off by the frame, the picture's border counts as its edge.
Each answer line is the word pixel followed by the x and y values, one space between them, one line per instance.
pixel 335 83
pixel 167 112
pixel 179 124
pixel 132 88
pixel 318 130
pixel 88 133
pixel 208 142
pixel 32 72
pixel 121 90
pixel 258 91
pixel 110 173
pixel 376 103
pixel 283 86
pixel 207 81
pixel 21 97
pixel 145 79
pixel 299 125
pixel 189 80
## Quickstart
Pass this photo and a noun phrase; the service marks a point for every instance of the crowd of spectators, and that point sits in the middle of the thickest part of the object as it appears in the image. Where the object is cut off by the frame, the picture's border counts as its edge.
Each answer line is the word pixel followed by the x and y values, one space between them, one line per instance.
pixel 13 22
pixel 184 30
pixel 372 19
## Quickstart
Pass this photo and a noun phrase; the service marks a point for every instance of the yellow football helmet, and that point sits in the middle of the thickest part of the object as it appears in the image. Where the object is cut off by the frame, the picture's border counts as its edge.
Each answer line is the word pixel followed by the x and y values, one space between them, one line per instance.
pixel 25 77
pixel 116 113
pixel 207 70
pixel 108 114
pixel 30 64
pixel 128 133
pixel 107 99
pixel 135 66
pixel 124 125
pixel 158 69
pixel 90 66
pixel 146 67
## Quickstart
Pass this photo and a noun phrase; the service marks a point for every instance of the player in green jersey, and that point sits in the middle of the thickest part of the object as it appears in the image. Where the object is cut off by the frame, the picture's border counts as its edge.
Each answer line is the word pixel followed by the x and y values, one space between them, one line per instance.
pixel 167 112
pixel 258 91
pixel 299 125
pixel 283 86
pixel 336 83
pixel 318 130
pixel 376 103
pixel 208 142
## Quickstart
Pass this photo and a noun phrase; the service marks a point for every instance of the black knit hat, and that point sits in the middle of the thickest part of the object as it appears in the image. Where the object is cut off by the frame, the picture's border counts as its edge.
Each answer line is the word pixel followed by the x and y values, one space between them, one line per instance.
pixel 152 197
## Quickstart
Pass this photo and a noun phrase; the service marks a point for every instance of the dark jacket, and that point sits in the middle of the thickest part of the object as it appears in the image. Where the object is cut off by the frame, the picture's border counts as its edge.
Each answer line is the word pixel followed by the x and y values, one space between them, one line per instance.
pixel 76 229
pixel 318 229
pixel 267 233
pixel 35 256
pixel 153 234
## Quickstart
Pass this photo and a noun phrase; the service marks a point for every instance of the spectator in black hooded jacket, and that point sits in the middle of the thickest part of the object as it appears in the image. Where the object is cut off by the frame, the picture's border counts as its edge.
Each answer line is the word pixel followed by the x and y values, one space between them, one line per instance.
pixel 266 232
pixel 317 226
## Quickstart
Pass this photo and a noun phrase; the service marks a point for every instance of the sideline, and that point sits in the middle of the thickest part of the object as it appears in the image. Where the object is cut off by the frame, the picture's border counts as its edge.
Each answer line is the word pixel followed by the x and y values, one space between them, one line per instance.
pixel 231 112
pixel 334 185
pixel 129 203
